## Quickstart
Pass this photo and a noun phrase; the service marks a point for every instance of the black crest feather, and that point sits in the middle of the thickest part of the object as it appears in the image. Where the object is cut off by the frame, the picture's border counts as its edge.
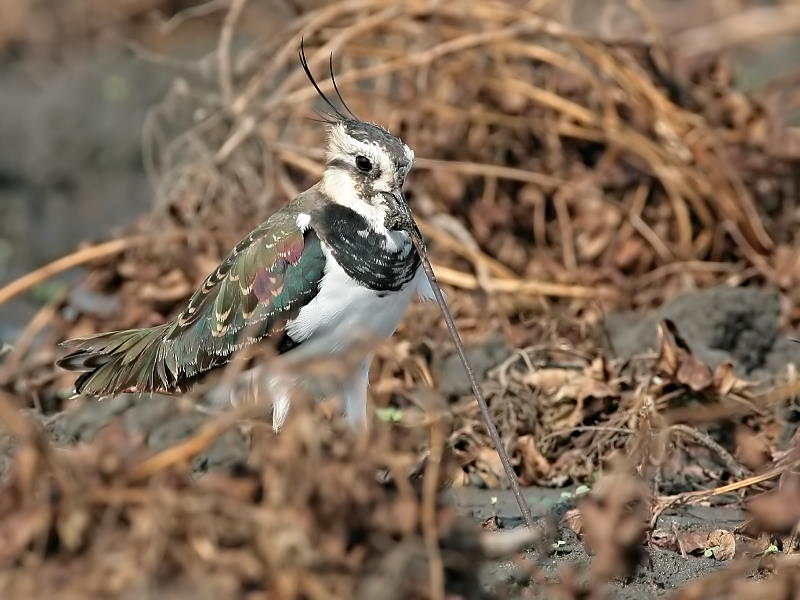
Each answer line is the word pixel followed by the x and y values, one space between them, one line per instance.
pixel 337 114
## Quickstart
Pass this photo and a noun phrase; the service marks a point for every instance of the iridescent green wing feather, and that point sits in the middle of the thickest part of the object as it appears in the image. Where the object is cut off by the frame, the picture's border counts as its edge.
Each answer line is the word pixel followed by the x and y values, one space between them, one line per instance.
pixel 265 280
pixel 262 283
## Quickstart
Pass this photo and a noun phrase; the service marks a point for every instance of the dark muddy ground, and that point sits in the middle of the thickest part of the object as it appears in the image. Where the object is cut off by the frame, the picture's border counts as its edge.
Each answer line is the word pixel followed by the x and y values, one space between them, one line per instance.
pixel 71 163
pixel 719 324
pixel 660 571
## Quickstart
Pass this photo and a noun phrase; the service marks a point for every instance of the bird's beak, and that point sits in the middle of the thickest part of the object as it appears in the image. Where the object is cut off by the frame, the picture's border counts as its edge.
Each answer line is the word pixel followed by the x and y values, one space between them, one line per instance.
pixel 399 217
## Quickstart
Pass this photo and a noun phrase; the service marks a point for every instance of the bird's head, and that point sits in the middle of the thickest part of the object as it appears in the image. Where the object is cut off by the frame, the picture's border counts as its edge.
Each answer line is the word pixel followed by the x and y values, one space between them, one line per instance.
pixel 366 165
pixel 365 170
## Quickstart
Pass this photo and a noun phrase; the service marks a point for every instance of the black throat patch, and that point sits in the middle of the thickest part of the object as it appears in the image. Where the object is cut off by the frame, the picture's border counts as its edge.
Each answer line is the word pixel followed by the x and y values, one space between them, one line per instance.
pixel 362 252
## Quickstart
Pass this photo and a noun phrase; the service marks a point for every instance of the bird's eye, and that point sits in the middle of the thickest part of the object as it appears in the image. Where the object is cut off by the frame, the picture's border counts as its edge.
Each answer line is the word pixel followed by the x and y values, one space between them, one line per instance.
pixel 363 164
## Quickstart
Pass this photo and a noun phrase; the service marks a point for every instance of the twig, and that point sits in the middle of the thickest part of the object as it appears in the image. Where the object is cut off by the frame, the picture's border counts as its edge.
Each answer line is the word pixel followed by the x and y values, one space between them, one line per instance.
pixel 644 230
pixel 224 51
pixel 664 502
pixel 569 257
pixel 34 442
pixel 428 516
pixel 729 461
pixel 27 337
pixel 193 12
pixel 163 60
pixel 299 157
pixel 191 447
pixel 416 237
pixel 70 261
pixel 738 29
pixel 569 430
pixel 446 238
pixel 489 170
pixel 519 286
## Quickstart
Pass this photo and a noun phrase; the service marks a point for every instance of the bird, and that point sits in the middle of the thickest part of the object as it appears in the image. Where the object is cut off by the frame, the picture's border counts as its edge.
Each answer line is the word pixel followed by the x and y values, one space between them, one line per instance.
pixel 334 267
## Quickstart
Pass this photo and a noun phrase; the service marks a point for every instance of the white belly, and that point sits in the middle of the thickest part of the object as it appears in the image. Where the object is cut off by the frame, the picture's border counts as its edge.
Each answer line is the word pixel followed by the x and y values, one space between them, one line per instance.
pixel 345 316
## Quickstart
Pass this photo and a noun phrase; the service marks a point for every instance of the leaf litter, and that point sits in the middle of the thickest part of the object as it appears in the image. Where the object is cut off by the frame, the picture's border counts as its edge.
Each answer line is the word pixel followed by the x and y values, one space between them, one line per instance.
pixel 580 173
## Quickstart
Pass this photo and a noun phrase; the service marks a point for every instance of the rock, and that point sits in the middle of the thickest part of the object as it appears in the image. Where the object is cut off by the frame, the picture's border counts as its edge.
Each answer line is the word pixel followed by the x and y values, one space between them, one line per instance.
pixel 719 324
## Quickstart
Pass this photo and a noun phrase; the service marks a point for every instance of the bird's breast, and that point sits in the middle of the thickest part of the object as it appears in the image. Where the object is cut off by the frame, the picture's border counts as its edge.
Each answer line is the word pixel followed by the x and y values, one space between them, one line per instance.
pixel 346 314
pixel 382 261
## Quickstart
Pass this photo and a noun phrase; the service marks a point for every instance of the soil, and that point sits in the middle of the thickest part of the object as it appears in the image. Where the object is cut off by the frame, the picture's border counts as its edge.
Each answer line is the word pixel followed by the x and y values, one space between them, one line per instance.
pixel 719 324
pixel 660 572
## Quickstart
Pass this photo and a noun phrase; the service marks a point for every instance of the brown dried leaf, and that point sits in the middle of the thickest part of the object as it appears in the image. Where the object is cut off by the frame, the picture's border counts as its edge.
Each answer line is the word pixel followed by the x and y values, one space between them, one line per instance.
pixel 777 511
pixel 676 361
pixel 18 531
pixel 668 360
pixel 726 382
pixel 574 520
pixel 593 388
pixel 533 463
pixel 615 516
pixel 693 542
pixel 171 287
pixel 549 380
pixel 723 544
pixel 751 449
pixel 490 524
pixel 489 467
pixel 694 374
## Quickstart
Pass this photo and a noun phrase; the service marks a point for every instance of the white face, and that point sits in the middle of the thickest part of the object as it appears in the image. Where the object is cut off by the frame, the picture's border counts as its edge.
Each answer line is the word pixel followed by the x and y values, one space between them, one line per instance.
pixel 365 162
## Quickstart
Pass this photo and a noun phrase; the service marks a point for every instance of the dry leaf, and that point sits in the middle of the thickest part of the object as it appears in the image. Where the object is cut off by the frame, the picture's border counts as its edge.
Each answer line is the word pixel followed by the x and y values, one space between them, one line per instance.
pixel 694 374
pixel 693 542
pixel 18 531
pixel 533 463
pixel 668 359
pixel 489 467
pixel 675 359
pixel 574 520
pixel 722 544
pixel 751 449
pixel 777 511
pixel 726 382
pixel 615 516
pixel 549 381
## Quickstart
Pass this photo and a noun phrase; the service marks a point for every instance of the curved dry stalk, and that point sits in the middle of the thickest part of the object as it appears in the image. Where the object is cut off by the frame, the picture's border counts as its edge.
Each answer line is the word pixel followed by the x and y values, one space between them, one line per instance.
pixel 70 261
pixel 428 511
pixel 187 449
pixel 224 49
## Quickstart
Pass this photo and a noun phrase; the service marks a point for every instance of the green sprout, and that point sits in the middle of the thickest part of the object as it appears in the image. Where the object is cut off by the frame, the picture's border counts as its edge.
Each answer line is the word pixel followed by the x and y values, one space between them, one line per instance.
pixel 390 414
pixel 582 490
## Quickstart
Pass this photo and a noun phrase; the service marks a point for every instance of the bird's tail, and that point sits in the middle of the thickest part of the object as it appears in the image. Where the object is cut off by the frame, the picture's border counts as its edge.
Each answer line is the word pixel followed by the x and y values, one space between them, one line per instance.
pixel 118 361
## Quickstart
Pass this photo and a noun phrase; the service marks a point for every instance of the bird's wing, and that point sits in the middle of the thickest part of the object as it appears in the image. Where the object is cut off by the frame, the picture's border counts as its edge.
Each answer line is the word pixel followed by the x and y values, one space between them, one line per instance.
pixel 265 280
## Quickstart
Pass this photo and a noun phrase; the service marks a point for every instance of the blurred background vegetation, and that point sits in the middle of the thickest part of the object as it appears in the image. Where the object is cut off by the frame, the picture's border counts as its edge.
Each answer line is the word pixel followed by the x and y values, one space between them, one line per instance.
pixel 79 77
